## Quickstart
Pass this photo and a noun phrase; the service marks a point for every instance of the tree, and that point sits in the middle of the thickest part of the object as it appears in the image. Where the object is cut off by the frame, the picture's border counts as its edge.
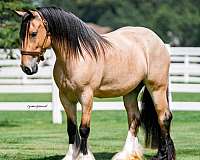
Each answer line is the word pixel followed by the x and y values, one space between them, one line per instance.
pixel 170 19
pixel 10 22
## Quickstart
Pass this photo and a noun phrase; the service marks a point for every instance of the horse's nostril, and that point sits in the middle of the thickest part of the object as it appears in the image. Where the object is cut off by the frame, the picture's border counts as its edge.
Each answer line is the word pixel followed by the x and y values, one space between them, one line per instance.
pixel 26 70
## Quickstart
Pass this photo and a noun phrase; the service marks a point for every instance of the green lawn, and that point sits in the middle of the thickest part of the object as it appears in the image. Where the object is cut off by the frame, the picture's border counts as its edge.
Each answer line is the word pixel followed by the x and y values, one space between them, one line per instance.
pixel 44 97
pixel 32 136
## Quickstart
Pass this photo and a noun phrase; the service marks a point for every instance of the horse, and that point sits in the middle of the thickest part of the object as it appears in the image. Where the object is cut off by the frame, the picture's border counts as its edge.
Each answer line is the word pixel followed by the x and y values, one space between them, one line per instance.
pixel 119 63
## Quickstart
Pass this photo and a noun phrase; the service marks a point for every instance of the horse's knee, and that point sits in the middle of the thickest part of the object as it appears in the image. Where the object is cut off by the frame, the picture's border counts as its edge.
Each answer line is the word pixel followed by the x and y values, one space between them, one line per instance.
pixel 84 133
pixel 165 121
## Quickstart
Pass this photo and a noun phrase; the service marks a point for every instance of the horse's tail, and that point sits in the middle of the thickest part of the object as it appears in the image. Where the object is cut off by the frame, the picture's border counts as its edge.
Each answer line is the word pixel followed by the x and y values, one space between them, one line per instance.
pixel 149 121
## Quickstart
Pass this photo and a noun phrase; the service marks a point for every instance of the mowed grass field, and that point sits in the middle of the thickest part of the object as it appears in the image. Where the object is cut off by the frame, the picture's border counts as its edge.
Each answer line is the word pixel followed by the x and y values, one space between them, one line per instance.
pixel 31 135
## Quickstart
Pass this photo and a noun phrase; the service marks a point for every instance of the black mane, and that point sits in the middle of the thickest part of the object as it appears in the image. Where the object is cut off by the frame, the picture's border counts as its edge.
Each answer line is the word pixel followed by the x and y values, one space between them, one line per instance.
pixel 72 33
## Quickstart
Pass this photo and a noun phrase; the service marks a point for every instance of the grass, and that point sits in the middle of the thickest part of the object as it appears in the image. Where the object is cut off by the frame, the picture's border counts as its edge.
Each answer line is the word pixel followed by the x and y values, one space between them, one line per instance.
pixel 32 136
pixel 46 97
pixel 24 97
pixel 186 97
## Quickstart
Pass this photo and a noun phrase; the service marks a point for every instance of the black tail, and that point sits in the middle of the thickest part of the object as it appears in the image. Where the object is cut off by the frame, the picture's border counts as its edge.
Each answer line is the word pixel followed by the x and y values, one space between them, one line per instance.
pixel 149 121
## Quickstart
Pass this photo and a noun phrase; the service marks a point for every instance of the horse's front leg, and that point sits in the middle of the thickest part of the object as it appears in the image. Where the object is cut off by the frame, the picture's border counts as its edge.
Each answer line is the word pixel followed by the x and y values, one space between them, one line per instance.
pixel 86 100
pixel 74 139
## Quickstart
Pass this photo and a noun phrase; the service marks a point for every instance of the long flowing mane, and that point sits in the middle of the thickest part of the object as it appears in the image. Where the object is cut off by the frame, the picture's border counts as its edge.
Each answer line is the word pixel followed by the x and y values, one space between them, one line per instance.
pixel 72 34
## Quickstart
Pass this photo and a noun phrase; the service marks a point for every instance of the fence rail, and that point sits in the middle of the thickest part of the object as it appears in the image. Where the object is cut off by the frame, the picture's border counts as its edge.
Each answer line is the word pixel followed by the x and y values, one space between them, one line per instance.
pixel 185 63
pixel 184 75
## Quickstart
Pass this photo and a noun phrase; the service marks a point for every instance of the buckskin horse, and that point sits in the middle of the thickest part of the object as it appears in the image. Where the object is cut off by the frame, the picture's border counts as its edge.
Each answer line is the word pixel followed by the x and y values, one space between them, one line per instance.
pixel 119 63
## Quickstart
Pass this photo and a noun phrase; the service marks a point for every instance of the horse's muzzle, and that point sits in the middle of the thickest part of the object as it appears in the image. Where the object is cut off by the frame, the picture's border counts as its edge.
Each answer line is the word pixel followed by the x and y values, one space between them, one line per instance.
pixel 29 70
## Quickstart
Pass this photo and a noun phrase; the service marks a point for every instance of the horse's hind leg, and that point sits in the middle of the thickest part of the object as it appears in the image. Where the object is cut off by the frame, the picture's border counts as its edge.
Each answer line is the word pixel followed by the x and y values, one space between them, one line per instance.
pixel 74 139
pixel 132 149
pixel 166 150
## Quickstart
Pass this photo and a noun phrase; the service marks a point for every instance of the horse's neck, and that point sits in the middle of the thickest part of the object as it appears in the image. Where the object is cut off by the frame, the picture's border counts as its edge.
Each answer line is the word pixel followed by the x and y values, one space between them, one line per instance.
pixel 60 54
pixel 64 62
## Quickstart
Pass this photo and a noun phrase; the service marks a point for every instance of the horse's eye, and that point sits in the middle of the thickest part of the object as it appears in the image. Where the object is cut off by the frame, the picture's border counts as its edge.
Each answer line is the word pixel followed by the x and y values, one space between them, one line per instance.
pixel 33 34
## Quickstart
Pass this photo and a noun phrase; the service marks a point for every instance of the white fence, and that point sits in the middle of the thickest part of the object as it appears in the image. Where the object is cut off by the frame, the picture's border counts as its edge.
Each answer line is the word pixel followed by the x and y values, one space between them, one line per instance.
pixel 185 63
pixel 184 75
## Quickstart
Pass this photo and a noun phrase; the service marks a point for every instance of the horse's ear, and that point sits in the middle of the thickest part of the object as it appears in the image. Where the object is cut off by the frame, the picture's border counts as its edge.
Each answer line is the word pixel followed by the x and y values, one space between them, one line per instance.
pixel 25 12
pixel 20 13
pixel 30 12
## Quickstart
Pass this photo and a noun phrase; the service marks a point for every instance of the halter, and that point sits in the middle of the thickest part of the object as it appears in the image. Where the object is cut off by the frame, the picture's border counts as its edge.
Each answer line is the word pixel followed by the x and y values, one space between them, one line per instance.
pixel 39 54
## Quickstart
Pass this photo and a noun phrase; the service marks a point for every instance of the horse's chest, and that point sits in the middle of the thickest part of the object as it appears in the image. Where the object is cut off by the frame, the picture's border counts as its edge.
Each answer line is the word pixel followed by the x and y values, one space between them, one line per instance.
pixel 63 82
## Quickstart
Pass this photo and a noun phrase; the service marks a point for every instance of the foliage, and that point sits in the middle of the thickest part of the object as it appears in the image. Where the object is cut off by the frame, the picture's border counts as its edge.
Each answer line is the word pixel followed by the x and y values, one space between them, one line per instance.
pixel 176 22
pixel 10 23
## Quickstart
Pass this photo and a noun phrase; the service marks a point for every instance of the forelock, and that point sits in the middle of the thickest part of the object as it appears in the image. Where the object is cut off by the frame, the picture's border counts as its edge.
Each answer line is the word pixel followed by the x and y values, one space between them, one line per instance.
pixel 25 25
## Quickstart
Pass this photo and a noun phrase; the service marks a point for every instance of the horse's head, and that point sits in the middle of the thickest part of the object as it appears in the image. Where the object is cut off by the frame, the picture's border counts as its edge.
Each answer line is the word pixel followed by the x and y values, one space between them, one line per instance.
pixel 35 39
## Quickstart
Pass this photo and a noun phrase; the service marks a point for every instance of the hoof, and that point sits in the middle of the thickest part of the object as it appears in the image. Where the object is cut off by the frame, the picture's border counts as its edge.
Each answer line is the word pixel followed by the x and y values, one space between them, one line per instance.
pixel 86 157
pixel 72 153
pixel 70 157
pixel 132 150
pixel 89 156
pixel 125 156
pixel 120 156
pixel 135 156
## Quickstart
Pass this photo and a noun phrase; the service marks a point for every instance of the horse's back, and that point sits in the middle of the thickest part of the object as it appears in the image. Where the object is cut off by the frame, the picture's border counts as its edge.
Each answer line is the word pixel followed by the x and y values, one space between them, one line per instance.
pixel 139 40
pixel 144 36
pixel 142 43
pixel 156 54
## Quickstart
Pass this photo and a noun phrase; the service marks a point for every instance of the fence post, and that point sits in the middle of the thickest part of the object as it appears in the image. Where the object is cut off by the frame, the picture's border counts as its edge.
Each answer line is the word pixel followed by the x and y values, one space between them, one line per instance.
pixel 56 108
pixel 169 81
pixel 186 74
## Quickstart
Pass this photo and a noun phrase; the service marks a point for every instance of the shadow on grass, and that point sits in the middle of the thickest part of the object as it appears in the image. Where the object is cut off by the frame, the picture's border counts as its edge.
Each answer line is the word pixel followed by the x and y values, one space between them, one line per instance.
pixel 7 123
pixel 98 156
pixel 103 155
pixel 55 157
pixel 147 156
